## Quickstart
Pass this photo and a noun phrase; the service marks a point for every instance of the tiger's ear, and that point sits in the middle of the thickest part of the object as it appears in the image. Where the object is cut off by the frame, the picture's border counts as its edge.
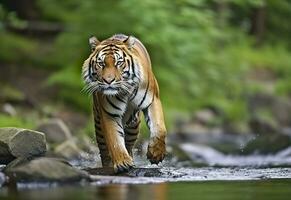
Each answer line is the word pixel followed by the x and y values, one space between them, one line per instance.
pixel 129 42
pixel 93 41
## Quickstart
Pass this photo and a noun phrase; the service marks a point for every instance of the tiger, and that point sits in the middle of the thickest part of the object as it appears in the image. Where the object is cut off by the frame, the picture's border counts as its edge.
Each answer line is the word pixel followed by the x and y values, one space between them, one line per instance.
pixel 118 74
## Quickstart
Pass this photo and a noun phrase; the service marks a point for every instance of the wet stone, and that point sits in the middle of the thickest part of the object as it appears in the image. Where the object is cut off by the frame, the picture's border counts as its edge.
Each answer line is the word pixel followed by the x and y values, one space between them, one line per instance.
pixel 135 172
pixel 44 170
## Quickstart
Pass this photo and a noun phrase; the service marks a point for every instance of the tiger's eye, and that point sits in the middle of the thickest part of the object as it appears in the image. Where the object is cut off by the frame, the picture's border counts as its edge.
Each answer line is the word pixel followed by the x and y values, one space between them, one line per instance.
pixel 119 63
pixel 101 64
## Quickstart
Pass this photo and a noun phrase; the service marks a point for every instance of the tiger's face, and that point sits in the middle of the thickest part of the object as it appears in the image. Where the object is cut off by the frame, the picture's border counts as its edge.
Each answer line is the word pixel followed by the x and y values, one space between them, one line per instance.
pixel 110 68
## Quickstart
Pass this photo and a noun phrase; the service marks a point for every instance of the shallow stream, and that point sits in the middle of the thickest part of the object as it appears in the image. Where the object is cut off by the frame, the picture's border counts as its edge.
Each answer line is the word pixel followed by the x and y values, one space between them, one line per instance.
pixel 223 177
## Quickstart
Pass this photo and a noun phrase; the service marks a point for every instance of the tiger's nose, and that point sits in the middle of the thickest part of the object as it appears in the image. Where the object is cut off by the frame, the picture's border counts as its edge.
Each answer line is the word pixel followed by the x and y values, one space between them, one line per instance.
pixel 109 79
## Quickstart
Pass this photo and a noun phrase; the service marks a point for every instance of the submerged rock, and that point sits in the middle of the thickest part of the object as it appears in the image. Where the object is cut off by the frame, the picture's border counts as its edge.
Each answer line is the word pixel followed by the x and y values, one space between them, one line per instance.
pixel 16 142
pixel 56 131
pixel 44 170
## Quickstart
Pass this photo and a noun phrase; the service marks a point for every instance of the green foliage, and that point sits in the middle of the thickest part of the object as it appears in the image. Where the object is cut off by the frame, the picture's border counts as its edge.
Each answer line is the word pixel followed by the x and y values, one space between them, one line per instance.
pixel 16 49
pixel 14 121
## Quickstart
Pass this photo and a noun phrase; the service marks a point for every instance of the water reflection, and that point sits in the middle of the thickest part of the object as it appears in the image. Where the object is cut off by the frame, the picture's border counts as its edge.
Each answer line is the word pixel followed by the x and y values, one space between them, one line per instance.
pixel 263 189
pixel 132 192
pixel 106 192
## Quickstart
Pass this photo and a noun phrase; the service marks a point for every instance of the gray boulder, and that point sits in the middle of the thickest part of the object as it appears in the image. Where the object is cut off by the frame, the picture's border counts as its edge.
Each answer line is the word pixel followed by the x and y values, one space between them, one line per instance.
pixel 2 179
pixel 69 150
pixel 87 144
pixel 44 170
pixel 17 142
pixel 56 131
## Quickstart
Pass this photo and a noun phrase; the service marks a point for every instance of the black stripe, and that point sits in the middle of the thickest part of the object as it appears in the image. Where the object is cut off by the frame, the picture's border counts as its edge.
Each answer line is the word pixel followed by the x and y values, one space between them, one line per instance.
pixel 148 120
pixel 103 148
pixel 110 45
pixel 119 99
pixel 110 114
pixel 121 133
pixel 144 96
pixel 128 64
pixel 112 104
pixel 85 76
pixel 120 126
pixel 99 135
pixel 97 126
pixel 101 143
pixel 135 92
pixel 97 121
pixel 146 114
pixel 132 66
pixel 126 39
pixel 131 133
pixel 98 132
pixel 105 50
pixel 131 140
pixel 100 138
pixel 89 70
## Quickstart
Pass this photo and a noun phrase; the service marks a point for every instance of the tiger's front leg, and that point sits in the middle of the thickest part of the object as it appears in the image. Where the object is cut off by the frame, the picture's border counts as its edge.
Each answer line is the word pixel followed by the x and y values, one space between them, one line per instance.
pixel 114 138
pixel 155 121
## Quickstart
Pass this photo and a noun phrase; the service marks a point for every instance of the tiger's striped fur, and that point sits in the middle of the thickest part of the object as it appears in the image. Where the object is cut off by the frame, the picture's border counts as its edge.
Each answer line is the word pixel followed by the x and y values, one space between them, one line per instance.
pixel 118 74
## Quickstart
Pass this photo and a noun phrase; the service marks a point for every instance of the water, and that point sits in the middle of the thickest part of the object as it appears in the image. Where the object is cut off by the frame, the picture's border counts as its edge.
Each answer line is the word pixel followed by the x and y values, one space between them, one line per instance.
pixel 225 177
pixel 279 189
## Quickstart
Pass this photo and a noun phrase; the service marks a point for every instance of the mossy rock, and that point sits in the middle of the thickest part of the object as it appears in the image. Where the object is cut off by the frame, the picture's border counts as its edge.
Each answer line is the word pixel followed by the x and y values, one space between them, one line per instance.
pixel 17 142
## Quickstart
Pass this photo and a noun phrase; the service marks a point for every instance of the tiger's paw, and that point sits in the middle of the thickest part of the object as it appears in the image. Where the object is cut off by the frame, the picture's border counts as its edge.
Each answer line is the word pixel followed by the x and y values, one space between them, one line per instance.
pixel 123 165
pixel 156 150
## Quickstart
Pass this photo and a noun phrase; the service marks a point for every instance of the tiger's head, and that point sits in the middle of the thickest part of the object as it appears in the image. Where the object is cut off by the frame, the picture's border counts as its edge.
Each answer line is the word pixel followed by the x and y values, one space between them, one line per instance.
pixel 111 68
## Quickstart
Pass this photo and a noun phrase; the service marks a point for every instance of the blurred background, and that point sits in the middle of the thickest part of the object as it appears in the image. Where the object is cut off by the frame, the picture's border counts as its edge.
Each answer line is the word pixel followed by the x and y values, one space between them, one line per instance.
pixel 223 66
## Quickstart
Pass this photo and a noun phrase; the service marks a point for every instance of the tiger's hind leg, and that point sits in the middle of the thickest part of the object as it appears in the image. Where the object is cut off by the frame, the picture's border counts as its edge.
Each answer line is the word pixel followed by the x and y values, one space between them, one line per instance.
pixel 132 131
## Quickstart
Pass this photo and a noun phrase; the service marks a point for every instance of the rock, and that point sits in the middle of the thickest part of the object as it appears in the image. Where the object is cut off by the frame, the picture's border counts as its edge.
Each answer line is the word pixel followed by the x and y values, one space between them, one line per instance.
pixel 55 130
pixel 196 154
pixel 8 109
pixel 16 162
pixel 86 144
pixel 179 154
pixel 205 116
pixel 2 179
pixel 69 150
pixel 279 108
pixel 260 100
pixel 261 126
pixel 45 170
pixel 282 111
pixel 267 143
pixel 17 142
pixel 270 138
pixel 11 94
pixel 200 153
